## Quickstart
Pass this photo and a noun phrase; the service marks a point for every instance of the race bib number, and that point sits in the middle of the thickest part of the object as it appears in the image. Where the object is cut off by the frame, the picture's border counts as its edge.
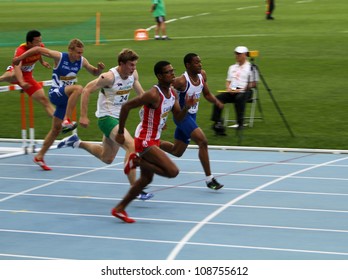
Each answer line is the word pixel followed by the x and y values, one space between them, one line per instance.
pixel 120 99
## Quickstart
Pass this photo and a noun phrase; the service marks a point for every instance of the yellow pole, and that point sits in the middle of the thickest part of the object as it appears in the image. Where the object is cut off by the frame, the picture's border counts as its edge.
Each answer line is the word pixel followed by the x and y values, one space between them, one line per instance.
pixel 97 29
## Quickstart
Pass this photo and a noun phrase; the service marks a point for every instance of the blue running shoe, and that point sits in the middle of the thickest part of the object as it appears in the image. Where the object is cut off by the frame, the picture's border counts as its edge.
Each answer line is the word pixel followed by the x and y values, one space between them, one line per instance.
pixel 70 141
pixel 145 196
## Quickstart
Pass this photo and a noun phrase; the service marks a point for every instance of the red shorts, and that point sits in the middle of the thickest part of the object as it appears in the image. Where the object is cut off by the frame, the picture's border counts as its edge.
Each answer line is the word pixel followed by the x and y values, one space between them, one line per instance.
pixel 141 145
pixel 28 78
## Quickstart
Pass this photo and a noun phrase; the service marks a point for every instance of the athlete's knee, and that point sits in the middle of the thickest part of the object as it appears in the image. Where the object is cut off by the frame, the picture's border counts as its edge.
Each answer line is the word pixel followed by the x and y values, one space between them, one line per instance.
pixel 202 143
pixel 107 160
pixel 177 150
pixel 56 129
pixel 173 172
pixel 78 89
pixel 104 157
pixel 177 153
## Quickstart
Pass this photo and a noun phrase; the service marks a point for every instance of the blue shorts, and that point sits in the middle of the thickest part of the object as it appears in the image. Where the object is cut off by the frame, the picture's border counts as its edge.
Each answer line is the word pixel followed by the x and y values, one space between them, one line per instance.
pixel 185 128
pixel 60 100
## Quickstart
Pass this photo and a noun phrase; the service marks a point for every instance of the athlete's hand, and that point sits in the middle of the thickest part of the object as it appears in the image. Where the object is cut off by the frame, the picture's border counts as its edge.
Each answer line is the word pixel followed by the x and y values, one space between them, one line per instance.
pixel 24 85
pixel 16 61
pixel 101 67
pixel 190 101
pixel 120 138
pixel 46 64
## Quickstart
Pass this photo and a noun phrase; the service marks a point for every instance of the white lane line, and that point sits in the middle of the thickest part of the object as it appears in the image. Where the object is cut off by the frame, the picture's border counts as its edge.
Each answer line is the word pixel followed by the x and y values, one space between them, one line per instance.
pixel 195 229
pixel 79 215
pixel 246 8
pixel 172 242
pixel 56 181
pixel 29 257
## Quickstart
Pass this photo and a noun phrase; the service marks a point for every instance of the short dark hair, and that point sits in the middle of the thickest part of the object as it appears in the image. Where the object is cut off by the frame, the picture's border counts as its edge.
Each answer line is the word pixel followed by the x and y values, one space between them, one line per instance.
pixel 32 34
pixel 158 68
pixel 189 57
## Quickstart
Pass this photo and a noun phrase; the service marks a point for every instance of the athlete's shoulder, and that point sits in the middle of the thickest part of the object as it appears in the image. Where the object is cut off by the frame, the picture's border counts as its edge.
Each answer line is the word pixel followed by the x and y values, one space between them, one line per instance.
pixel 22 48
pixel 180 82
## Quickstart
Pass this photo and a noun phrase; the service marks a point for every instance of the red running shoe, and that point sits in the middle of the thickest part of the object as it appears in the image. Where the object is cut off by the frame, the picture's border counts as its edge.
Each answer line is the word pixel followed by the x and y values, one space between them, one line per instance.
pixel 130 163
pixel 122 215
pixel 67 126
pixel 42 164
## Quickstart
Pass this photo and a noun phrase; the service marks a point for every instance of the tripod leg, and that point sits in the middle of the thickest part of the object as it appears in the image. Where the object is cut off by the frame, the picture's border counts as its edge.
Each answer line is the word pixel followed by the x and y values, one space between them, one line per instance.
pixel 275 103
pixel 258 101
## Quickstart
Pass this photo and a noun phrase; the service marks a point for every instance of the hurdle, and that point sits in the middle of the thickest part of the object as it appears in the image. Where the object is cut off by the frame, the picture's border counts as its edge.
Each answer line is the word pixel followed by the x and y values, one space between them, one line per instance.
pixel 28 145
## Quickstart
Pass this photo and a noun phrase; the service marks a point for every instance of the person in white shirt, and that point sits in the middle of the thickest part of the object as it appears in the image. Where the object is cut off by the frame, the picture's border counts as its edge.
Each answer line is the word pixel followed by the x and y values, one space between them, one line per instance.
pixel 114 88
pixel 241 78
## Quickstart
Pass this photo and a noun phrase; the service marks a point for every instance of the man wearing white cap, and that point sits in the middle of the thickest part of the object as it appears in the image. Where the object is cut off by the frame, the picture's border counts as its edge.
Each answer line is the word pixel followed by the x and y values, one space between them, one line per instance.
pixel 241 78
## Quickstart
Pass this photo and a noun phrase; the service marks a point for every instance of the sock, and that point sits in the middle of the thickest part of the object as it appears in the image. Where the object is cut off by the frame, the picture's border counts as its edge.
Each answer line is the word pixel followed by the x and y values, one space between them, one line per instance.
pixel 209 178
pixel 77 144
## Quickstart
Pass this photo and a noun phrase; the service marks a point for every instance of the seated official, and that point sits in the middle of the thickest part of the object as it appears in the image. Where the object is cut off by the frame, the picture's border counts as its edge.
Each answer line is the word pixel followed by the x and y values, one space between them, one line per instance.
pixel 241 78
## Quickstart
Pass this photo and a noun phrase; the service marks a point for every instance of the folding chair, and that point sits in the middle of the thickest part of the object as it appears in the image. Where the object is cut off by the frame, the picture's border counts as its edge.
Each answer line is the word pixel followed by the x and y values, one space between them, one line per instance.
pixel 255 102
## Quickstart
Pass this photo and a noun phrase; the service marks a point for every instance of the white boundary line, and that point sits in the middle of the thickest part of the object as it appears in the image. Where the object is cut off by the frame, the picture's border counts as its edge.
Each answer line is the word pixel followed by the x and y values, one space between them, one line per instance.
pixel 273 149
pixel 56 181
pixel 30 257
pixel 218 147
pixel 185 240
pixel 170 242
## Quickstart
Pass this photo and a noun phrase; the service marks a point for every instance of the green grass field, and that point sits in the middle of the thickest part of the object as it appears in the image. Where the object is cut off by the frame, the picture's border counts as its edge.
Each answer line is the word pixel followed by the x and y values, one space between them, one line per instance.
pixel 302 58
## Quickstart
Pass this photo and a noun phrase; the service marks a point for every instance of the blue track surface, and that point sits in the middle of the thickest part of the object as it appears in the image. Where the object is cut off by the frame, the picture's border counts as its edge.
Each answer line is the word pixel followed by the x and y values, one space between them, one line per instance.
pixel 274 205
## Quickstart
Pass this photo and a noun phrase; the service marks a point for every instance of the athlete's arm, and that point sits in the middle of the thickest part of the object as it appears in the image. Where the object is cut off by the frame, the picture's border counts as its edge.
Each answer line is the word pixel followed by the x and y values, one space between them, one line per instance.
pixel 150 98
pixel 208 95
pixel 104 80
pixel 178 113
pixel 95 71
pixel 44 63
pixel 38 50
pixel 137 86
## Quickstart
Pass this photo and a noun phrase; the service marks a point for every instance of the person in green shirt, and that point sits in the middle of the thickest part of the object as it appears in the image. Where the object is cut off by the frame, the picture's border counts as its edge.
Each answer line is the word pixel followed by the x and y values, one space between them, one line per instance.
pixel 158 10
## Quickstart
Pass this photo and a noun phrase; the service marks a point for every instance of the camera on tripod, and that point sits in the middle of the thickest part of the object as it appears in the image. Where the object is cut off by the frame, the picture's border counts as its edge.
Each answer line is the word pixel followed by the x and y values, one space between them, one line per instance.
pixel 253 54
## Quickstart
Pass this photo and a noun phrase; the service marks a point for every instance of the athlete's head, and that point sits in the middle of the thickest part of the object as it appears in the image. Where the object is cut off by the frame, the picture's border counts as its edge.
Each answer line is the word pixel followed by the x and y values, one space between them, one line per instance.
pixel 189 57
pixel 127 62
pixel 193 63
pixel 75 43
pixel 127 55
pixel 159 67
pixel 31 35
pixel 164 72
pixel 75 49
pixel 33 39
